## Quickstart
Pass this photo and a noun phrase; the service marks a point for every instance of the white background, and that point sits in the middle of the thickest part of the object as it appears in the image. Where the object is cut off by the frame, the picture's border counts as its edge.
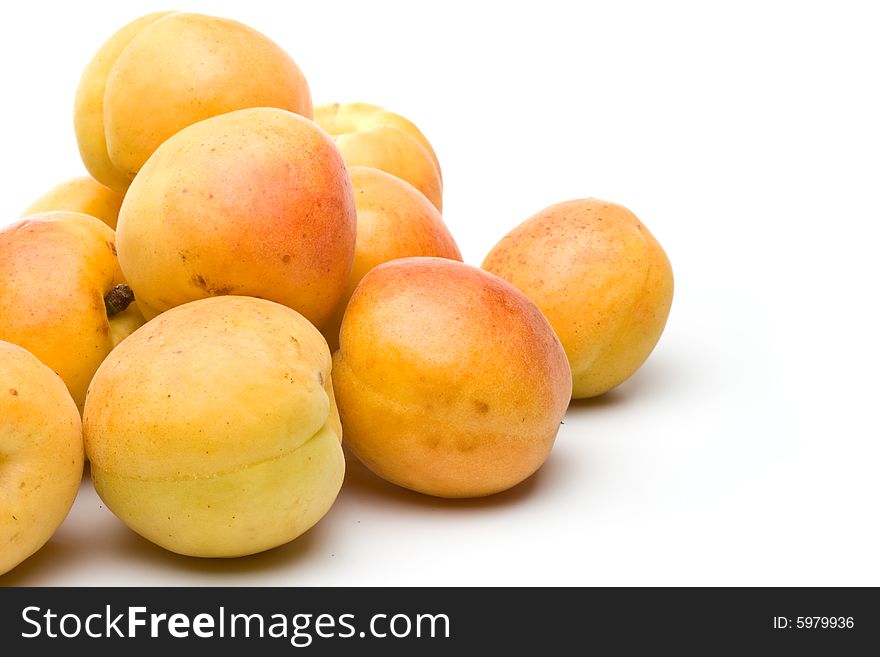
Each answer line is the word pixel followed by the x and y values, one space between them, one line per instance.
pixel 746 138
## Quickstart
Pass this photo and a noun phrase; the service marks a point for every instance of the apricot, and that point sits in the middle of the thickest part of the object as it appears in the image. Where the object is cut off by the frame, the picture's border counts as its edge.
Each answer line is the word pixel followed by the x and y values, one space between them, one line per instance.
pixel 370 136
pixel 168 70
pixel 256 202
pixel 449 381
pixel 212 431
pixel 394 220
pixel 602 280
pixel 62 293
pixel 81 194
pixel 42 454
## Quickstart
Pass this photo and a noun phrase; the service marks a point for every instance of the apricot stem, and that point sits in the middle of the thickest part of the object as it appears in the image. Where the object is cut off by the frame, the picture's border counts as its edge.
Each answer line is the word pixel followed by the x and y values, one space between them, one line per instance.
pixel 118 299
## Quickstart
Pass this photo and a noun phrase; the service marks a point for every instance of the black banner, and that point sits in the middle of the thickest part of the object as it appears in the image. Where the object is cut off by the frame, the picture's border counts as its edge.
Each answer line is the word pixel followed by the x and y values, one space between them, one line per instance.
pixel 276 621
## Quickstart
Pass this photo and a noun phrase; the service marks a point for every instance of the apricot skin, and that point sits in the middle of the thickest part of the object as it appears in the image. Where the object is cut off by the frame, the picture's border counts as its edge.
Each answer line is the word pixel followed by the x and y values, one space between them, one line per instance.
pixel 81 194
pixel 370 136
pixel 41 454
pixel 55 269
pixel 602 280
pixel 256 202
pixel 166 71
pixel 394 220
pixel 213 431
pixel 449 381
